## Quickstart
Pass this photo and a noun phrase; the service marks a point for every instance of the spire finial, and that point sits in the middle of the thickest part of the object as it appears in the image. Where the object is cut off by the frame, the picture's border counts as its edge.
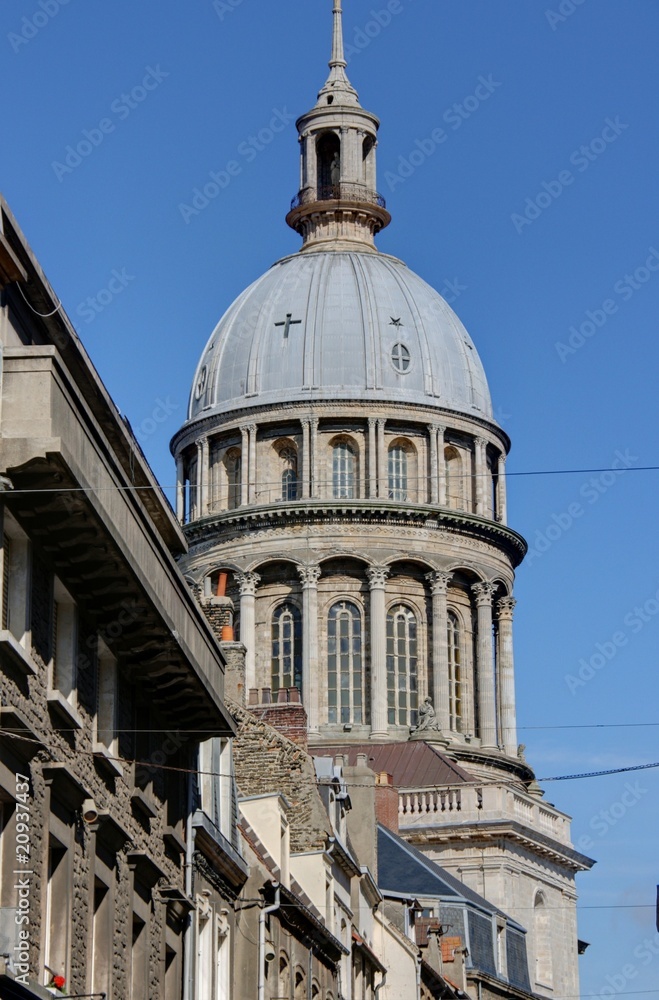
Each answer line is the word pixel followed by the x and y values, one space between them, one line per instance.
pixel 338 58
pixel 338 83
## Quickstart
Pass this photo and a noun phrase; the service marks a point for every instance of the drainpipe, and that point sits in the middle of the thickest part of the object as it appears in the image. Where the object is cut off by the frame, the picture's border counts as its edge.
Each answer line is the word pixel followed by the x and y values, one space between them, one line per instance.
pixel 418 977
pixel 380 985
pixel 188 930
pixel 262 915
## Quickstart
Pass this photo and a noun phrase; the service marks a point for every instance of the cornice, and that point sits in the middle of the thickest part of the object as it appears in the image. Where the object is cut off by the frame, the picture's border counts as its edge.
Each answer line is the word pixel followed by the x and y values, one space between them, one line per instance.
pixel 305 512
pixel 484 833
pixel 219 423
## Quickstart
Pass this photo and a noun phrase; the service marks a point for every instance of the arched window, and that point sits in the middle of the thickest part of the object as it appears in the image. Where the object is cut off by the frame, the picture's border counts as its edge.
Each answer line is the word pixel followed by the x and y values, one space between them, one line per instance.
pixel 344 462
pixel 402 659
pixel 234 467
pixel 284 977
pixel 397 472
pixel 454 672
pixel 344 664
pixel 329 166
pixel 454 479
pixel 286 648
pixel 289 487
pixel 542 933
pixel 192 489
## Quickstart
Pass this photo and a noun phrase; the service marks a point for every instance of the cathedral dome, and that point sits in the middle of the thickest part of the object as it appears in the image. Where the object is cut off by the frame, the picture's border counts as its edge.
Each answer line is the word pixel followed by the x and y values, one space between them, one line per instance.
pixel 329 325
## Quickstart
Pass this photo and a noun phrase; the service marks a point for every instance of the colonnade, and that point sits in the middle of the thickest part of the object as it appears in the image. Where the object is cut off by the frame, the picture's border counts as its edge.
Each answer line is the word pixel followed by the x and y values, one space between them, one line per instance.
pixel 495 673
pixel 431 487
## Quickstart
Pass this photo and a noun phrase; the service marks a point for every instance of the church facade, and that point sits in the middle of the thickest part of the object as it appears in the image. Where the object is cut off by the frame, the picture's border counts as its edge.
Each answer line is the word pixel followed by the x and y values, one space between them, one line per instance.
pixel 341 479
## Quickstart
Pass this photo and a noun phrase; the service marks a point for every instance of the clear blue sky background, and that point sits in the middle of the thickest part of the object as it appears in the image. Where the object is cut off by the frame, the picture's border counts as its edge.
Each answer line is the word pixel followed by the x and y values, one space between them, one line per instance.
pixel 557 86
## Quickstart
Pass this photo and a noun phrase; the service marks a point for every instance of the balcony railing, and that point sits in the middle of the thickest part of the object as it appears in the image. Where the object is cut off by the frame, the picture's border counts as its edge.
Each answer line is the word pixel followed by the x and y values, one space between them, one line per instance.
pixel 427 807
pixel 338 192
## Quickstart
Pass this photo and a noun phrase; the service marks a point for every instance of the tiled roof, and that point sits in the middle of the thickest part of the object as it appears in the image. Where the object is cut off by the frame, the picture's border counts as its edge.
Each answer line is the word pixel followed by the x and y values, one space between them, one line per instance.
pixel 412 764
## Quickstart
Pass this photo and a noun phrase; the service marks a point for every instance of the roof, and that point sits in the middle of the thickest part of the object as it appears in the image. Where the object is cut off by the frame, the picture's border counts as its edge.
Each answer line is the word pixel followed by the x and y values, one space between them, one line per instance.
pixel 339 325
pixel 412 764
pixel 404 869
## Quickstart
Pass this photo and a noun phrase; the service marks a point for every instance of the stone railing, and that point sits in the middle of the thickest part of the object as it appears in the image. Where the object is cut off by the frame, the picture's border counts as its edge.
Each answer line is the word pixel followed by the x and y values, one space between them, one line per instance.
pixel 357 193
pixel 428 807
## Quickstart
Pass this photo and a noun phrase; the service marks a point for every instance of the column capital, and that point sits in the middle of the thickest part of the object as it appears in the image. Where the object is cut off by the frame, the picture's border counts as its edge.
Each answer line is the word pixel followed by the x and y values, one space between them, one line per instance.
pixel 506 607
pixel 502 458
pixel 438 582
pixel 313 422
pixel 437 428
pixel 481 442
pixel 377 577
pixel 248 428
pixel 381 421
pixel 247 583
pixel 305 421
pixel 201 442
pixel 372 421
pixel 484 593
pixel 309 575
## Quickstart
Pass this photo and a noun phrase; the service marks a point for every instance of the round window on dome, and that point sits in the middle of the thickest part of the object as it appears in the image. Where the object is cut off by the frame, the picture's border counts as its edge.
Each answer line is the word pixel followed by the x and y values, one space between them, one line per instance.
pixel 401 358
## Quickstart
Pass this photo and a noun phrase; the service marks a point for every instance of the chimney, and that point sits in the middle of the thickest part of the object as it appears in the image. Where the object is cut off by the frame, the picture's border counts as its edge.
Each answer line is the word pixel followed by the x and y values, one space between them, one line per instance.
pixel 386 801
pixel 285 713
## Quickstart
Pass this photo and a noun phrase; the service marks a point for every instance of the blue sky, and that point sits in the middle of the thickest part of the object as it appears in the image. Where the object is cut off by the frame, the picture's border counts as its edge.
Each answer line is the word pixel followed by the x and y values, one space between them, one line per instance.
pixel 539 210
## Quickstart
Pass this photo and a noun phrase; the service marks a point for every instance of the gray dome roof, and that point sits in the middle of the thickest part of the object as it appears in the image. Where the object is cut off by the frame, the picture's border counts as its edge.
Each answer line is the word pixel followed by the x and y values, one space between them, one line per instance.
pixel 361 326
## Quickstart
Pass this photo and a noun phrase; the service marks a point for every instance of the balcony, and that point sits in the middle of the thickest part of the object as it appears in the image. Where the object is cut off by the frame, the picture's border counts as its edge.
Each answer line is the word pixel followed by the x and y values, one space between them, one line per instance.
pixel 352 193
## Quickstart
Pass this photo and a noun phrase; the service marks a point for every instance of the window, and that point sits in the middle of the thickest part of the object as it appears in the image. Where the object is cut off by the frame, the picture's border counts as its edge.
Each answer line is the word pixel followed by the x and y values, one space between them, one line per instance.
pixel 454 479
pixel 192 489
pixel 139 975
pixel 402 655
pixel 234 467
pixel 286 648
pixel 397 473
pixel 216 783
pixel 328 149
pixel 344 462
pixel 59 890
pixel 15 582
pixel 289 474
pixel 401 358
pixel 102 937
pixel 65 643
pixel 344 664
pixel 542 933
pixel 454 672
pixel 106 701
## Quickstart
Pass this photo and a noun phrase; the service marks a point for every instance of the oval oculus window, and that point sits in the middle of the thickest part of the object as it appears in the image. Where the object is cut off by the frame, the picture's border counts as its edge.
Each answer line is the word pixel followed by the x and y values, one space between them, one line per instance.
pixel 401 358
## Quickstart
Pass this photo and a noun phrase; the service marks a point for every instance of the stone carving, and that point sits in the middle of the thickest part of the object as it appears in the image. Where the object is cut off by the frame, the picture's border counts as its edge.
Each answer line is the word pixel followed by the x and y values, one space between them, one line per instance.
pixel 506 607
pixel 428 721
pixel 484 593
pixel 309 575
pixel 247 583
pixel 438 582
pixel 377 576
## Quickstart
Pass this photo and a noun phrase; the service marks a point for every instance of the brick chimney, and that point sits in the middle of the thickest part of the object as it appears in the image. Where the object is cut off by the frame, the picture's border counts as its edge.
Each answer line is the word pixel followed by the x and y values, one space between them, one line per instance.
pixel 386 801
pixel 286 713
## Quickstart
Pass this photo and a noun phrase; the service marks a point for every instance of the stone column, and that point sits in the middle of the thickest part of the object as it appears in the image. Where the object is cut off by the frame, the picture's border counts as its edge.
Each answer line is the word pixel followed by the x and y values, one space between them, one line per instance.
pixel 244 466
pixel 502 504
pixel 309 576
pixel 372 458
pixel 383 476
pixel 442 499
pixel 440 692
pixel 252 480
pixel 377 580
pixel 432 494
pixel 306 457
pixel 480 477
pixel 247 584
pixel 487 711
pixel 506 670
pixel 316 489
pixel 180 488
pixel 203 476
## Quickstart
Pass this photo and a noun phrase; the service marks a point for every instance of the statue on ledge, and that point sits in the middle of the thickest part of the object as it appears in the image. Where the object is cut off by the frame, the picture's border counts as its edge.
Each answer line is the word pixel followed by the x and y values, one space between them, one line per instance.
pixel 427 718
